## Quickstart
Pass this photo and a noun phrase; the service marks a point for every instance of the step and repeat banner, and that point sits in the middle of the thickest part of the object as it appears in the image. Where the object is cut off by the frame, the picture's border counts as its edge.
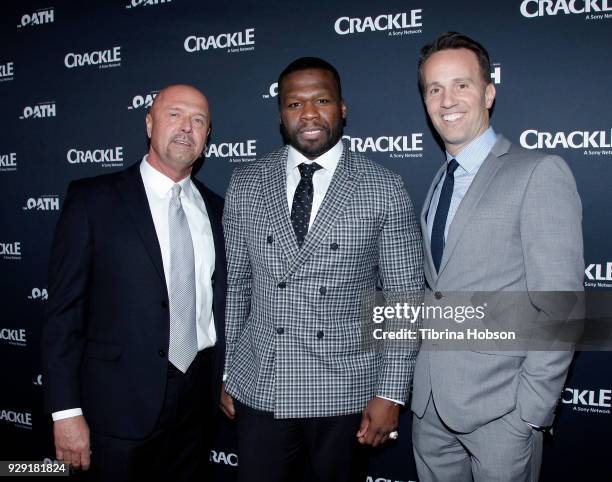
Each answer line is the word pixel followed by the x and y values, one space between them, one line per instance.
pixel 77 78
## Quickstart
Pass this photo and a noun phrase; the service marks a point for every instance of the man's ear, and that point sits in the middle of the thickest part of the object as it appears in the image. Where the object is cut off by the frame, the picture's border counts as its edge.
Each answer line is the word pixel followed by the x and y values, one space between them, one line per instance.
pixel 489 95
pixel 149 123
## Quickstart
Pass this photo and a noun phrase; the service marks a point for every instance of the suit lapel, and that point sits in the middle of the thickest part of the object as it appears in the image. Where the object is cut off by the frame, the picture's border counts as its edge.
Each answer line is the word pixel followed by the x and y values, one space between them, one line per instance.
pixel 131 189
pixel 430 270
pixel 479 186
pixel 336 199
pixel 274 186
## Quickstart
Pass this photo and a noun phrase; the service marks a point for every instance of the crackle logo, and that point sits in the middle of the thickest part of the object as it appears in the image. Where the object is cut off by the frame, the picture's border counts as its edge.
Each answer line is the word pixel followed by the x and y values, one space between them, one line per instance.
pixel 39 17
pixel 243 41
pixel 594 9
pixel 103 59
pixel 18 419
pixel 398 24
pixel 596 402
pixel 49 202
pixel 7 71
pixel 598 275
pixel 105 157
pixel 143 101
pixel 8 162
pixel 13 336
pixel 218 457
pixel 42 110
pixel 145 3
pixel 396 146
pixel 593 143
pixel 39 294
pixel 240 151
pixel 10 251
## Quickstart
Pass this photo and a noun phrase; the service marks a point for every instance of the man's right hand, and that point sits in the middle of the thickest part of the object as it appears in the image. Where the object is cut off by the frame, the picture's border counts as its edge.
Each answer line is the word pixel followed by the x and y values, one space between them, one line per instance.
pixel 71 437
pixel 227 404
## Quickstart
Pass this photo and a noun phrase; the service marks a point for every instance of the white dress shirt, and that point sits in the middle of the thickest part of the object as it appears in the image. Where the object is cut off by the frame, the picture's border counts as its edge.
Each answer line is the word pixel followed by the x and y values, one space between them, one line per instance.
pixel 158 188
pixel 321 179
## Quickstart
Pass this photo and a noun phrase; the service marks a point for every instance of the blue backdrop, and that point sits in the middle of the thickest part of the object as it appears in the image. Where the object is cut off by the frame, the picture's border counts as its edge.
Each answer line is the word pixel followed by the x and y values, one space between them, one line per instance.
pixel 76 79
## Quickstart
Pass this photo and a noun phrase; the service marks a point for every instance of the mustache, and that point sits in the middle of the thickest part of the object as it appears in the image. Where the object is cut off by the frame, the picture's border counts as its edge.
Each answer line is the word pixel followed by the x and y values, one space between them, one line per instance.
pixel 182 137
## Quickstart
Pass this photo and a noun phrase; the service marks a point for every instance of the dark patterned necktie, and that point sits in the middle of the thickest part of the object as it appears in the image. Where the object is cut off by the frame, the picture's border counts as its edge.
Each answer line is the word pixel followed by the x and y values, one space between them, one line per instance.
pixel 439 225
pixel 302 201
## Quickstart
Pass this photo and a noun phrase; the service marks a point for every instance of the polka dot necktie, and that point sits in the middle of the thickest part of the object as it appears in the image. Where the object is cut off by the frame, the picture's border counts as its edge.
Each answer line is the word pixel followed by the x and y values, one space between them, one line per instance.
pixel 302 201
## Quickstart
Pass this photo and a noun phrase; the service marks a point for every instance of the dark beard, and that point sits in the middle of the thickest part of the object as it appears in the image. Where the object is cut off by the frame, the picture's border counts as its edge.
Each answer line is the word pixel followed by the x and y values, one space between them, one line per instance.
pixel 312 151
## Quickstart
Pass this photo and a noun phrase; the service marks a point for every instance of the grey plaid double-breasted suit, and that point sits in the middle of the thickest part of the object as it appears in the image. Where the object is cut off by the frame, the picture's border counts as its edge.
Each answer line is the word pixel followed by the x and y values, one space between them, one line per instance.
pixel 294 340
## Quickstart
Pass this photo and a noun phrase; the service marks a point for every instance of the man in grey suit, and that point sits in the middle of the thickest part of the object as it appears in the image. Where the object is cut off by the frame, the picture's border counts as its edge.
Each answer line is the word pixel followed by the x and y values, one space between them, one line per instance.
pixel 311 229
pixel 497 218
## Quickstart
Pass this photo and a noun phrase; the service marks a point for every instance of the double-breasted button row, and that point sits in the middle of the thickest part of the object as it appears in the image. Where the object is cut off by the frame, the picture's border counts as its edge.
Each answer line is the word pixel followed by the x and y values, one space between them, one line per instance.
pixel 280 331
pixel 333 246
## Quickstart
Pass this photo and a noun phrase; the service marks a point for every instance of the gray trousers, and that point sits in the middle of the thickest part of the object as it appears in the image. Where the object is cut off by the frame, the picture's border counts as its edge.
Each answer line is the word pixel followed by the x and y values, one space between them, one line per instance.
pixel 505 449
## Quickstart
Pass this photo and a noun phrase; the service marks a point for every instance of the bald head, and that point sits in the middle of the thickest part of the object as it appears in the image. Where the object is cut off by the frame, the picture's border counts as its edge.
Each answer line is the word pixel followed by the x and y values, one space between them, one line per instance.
pixel 178 124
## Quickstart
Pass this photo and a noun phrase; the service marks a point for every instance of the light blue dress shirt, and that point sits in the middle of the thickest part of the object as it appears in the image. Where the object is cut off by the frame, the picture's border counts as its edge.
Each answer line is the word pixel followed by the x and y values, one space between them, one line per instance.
pixel 470 159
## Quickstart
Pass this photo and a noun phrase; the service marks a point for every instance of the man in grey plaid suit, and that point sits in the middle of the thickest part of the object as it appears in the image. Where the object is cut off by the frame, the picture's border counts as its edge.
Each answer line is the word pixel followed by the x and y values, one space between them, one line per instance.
pixel 311 229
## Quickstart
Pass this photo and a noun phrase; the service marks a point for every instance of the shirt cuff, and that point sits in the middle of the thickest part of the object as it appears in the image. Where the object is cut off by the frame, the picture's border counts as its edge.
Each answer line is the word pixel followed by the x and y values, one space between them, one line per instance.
pixel 391 400
pixel 62 414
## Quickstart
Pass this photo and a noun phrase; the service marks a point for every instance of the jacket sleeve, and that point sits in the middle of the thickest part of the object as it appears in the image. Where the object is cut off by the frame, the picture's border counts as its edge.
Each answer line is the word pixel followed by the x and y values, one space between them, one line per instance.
pixel 64 329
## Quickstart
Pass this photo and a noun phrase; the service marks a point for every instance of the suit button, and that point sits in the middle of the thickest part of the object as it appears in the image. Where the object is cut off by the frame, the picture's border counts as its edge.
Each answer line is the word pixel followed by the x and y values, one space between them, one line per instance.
pixel 270 239
pixel 164 304
pixel 322 290
pixel 280 330
pixel 438 295
pixel 319 334
pixel 333 246
pixel 282 285
pixel 161 353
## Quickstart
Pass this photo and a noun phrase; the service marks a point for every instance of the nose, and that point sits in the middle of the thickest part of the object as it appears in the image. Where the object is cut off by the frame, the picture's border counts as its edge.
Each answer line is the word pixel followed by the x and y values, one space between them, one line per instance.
pixel 448 99
pixel 310 111
pixel 186 124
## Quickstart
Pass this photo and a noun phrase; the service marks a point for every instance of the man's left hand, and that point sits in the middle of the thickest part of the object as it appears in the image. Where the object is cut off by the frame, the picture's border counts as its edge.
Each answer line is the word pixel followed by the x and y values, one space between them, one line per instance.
pixel 379 418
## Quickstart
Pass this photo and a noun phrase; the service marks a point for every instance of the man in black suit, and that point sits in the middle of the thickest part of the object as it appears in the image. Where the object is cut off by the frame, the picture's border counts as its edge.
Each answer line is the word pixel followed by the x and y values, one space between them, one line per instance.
pixel 133 339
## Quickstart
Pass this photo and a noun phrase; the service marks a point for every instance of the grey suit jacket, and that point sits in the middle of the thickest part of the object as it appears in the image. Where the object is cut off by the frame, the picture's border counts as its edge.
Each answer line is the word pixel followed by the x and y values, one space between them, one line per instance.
pixel 517 229
pixel 295 345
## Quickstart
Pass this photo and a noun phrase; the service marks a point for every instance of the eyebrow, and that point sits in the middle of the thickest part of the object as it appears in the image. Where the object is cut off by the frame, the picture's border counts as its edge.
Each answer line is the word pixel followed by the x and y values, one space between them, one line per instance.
pixel 456 79
pixel 176 107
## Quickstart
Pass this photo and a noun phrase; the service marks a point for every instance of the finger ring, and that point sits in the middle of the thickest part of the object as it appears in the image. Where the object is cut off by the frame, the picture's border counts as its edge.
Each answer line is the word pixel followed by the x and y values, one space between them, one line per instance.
pixel 394 435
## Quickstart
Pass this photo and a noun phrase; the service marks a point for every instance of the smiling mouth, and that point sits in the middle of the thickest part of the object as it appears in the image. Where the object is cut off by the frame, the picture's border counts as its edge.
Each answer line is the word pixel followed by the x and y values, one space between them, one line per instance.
pixel 454 117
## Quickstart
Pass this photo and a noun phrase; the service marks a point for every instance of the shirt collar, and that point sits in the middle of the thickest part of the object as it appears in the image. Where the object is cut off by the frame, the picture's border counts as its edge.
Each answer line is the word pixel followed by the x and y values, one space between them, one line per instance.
pixel 473 155
pixel 328 160
pixel 160 184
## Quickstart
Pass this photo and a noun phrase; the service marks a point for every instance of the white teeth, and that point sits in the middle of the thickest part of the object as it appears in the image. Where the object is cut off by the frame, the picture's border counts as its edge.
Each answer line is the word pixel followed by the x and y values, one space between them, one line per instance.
pixel 452 117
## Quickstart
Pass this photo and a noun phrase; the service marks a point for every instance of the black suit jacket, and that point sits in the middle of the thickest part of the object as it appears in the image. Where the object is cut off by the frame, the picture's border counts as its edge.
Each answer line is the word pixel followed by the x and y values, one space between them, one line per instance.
pixel 106 334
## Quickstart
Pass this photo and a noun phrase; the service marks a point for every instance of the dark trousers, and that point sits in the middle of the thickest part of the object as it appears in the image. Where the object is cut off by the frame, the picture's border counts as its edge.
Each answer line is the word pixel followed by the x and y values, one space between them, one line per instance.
pixel 177 449
pixel 323 449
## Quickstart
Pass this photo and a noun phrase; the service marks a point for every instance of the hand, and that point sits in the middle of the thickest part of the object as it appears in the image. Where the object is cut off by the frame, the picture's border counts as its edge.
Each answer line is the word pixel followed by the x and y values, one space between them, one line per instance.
pixel 227 404
pixel 71 436
pixel 379 418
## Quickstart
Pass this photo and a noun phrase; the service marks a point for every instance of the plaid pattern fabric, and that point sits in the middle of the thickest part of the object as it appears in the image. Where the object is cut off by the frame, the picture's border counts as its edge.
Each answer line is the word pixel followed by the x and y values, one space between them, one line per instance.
pixel 294 315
